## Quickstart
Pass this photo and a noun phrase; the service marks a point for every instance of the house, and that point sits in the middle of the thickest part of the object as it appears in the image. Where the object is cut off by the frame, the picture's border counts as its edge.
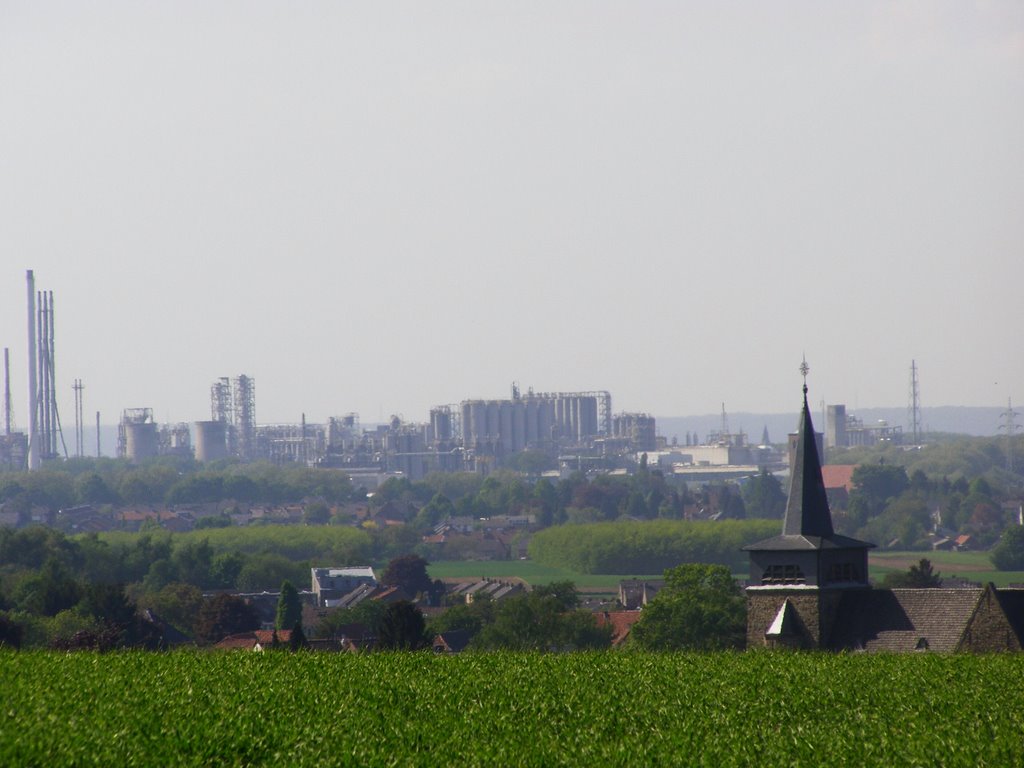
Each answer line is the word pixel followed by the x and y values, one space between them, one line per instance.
pixel 169 635
pixel 636 593
pixel 621 623
pixel 493 589
pixel 809 587
pixel 335 583
pixel 453 641
pixel 838 479
pixel 257 640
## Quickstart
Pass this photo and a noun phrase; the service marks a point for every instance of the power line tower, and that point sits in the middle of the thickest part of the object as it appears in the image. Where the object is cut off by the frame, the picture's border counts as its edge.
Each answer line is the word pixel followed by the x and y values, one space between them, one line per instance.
pixel 914 407
pixel 1011 427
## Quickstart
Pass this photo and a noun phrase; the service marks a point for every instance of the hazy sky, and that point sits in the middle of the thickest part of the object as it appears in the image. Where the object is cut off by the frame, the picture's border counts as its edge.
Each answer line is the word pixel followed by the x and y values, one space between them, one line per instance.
pixel 380 207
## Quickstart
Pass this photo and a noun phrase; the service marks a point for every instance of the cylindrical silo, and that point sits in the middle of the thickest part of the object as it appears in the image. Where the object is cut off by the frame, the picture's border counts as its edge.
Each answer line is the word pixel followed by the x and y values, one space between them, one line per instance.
pixel 211 440
pixel 140 441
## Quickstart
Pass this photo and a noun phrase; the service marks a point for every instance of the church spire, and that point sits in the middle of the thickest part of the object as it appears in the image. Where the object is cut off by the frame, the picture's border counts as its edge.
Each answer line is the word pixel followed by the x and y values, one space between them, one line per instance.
pixel 807 512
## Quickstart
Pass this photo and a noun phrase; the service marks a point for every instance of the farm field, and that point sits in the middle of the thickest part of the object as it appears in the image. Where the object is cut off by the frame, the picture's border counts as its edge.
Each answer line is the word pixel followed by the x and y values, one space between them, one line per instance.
pixel 975 566
pixel 193 708
pixel 527 570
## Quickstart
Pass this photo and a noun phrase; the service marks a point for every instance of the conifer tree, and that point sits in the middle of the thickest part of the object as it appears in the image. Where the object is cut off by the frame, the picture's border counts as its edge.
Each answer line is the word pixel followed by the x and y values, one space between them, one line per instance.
pixel 289 607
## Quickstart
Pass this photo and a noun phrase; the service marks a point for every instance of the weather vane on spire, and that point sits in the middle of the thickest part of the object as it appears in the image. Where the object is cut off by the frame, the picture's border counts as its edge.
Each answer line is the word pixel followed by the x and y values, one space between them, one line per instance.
pixel 804 370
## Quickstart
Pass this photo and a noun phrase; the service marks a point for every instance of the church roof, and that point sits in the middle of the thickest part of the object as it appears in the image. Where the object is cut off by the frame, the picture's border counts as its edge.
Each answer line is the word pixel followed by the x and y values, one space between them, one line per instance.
pixel 898 620
pixel 808 522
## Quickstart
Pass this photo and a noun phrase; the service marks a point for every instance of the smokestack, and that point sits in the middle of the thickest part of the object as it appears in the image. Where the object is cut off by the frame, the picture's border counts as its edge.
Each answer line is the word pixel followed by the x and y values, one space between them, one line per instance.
pixel 98 454
pixel 7 392
pixel 33 428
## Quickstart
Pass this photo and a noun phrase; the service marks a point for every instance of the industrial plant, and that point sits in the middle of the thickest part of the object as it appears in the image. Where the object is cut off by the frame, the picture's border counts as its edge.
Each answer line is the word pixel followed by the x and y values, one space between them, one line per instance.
pixel 559 430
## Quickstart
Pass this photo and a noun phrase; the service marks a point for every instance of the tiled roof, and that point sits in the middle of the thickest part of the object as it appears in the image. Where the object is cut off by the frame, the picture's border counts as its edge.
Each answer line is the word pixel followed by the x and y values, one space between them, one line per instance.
pixel 1012 602
pixel 248 640
pixel 621 623
pixel 838 476
pixel 452 641
pixel 899 620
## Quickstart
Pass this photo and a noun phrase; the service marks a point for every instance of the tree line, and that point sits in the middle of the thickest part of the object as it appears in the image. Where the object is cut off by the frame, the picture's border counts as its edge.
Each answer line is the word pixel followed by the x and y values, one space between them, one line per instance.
pixel 629 547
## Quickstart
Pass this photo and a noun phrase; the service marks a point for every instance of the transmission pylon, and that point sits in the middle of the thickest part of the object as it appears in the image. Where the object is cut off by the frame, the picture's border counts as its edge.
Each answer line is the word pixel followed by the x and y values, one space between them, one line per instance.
pixel 914 407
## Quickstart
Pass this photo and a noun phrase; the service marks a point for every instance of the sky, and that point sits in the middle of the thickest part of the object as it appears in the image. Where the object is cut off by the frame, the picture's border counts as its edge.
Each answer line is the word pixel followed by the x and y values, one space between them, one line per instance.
pixel 383 207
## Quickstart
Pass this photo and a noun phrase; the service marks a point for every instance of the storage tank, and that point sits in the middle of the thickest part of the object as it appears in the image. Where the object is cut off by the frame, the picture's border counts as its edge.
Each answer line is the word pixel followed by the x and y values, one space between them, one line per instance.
pixel 211 440
pixel 140 441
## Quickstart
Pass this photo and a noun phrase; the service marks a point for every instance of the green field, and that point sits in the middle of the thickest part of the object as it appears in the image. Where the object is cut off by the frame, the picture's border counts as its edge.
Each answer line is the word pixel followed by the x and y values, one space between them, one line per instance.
pixel 192 708
pixel 975 566
pixel 527 570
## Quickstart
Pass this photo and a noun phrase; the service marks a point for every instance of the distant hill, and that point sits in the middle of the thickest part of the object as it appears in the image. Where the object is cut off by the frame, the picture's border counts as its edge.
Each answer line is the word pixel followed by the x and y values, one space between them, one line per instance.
pixel 975 421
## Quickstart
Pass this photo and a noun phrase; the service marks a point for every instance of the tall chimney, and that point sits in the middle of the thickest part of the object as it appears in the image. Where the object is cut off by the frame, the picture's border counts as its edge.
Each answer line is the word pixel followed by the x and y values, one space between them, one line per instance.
pixel 33 427
pixel 7 392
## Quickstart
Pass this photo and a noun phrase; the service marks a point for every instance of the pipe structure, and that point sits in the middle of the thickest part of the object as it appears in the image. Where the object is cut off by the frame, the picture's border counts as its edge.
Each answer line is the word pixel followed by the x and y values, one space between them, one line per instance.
pixel 44 377
pixel 33 427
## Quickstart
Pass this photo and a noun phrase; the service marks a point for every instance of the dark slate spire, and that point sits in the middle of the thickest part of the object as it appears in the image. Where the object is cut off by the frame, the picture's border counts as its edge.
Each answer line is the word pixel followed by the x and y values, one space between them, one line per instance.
pixel 807 512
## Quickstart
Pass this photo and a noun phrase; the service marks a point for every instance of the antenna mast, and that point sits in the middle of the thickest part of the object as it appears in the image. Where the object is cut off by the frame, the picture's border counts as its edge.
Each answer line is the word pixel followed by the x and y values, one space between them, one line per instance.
pixel 914 408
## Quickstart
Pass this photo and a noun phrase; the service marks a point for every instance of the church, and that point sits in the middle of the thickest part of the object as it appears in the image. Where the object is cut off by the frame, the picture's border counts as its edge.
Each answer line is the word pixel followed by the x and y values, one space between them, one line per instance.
pixel 809 588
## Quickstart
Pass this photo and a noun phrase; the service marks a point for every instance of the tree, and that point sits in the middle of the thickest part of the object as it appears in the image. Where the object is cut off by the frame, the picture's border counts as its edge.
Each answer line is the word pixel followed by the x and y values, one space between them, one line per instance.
pixel 177 604
pixel 107 603
pixel 439 508
pixel 289 607
pixel 93 489
pixel 316 513
pixel 408 572
pixel 1008 554
pixel 297 639
pixel 401 628
pixel 875 484
pixel 10 632
pixel 224 615
pixel 764 497
pixel 700 608
pixel 50 592
pixel 920 576
pixel 543 620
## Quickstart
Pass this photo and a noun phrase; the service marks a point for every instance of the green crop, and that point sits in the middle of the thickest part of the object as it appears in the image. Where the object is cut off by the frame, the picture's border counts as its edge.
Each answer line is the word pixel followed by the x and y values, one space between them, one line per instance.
pixel 593 709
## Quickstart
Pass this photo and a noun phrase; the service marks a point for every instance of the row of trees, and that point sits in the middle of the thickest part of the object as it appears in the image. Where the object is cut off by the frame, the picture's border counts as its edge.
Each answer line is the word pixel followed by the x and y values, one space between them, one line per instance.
pixel 628 547
pixel 168 480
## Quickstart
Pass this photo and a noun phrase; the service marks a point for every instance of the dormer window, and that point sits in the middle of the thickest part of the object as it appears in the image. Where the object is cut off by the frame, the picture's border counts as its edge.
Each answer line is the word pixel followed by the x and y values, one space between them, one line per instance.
pixel 783 574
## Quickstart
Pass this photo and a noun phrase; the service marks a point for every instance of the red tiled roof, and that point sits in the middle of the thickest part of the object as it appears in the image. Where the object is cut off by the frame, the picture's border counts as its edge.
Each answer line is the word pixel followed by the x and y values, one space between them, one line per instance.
pixel 620 622
pixel 248 640
pixel 838 476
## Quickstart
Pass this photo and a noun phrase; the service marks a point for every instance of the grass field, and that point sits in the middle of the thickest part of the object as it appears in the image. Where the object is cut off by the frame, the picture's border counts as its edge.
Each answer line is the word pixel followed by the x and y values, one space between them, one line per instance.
pixel 974 566
pixel 607 708
pixel 527 570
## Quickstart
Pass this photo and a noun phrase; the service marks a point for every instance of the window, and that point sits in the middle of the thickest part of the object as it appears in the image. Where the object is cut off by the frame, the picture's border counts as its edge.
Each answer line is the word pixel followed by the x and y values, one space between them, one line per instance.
pixel 843 572
pixel 783 574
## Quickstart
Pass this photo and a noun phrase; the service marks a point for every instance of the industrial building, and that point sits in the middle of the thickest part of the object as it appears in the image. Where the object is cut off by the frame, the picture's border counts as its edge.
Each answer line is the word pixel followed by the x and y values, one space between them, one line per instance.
pixel 844 430
pixel 137 435
pixel 638 429
pixel 538 421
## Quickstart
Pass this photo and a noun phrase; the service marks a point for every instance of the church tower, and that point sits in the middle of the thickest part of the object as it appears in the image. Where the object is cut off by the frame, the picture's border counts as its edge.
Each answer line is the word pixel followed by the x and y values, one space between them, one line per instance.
pixel 798 577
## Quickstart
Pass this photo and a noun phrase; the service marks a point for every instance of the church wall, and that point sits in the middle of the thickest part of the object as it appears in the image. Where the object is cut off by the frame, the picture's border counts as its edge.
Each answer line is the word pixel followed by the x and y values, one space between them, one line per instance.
pixel 988 629
pixel 817 610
